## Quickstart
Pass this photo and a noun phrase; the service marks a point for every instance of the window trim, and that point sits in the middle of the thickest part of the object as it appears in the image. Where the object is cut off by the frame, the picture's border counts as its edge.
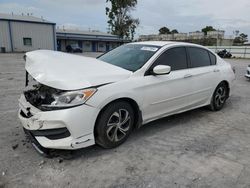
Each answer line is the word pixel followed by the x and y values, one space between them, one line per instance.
pixel 25 38
pixel 210 58
pixel 148 71
pixel 190 63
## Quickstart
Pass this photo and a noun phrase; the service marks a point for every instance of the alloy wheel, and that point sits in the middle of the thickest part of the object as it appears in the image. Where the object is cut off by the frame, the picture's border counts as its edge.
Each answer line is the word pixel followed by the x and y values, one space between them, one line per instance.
pixel 118 125
pixel 220 96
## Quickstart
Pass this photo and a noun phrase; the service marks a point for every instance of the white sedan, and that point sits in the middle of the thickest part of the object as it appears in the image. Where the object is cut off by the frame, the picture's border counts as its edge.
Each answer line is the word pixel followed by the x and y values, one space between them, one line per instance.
pixel 72 101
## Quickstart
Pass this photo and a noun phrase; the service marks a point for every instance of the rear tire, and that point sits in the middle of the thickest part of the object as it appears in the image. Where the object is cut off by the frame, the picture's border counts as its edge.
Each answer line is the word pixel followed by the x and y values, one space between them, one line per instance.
pixel 114 124
pixel 219 97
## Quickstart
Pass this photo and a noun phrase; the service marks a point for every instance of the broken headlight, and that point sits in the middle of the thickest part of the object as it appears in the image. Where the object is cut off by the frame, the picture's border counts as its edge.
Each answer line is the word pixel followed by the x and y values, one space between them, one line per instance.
pixel 70 98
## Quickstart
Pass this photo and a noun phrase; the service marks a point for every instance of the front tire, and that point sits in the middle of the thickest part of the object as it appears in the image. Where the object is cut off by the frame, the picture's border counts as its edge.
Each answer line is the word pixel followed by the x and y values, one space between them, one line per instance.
pixel 219 97
pixel 114 124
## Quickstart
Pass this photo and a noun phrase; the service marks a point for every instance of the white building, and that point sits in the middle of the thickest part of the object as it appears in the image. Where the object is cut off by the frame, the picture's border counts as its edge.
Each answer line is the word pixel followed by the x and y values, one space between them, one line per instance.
pixel 166 37
pixel 88 41
pixel 196 35
pixel 180 36
pixel 216 34
pixel 21 33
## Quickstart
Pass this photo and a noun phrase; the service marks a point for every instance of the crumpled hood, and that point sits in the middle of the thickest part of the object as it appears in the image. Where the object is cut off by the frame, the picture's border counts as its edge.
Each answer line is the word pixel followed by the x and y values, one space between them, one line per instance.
pixel 70 72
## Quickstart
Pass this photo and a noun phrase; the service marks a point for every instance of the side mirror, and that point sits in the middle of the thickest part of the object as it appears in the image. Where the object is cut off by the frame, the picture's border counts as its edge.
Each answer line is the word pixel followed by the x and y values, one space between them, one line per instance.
pixel 161 69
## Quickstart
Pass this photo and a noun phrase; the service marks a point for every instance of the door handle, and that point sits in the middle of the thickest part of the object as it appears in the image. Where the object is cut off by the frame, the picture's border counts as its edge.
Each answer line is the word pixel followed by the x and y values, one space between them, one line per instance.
pixel 188 75
pixel 216 70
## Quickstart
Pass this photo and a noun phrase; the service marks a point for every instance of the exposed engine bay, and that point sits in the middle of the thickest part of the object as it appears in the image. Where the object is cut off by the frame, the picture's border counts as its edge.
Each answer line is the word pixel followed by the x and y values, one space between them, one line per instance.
pixel 38 94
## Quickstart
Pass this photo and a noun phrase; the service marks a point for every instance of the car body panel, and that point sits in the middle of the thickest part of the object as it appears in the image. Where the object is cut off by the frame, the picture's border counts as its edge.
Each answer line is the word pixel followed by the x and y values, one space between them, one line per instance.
pixel 70 72
pixel 157 96
pixel 79 121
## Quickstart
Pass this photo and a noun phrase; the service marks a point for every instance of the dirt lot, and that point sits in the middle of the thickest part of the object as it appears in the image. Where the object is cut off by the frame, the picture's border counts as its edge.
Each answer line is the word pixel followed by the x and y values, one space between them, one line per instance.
pixel 194 149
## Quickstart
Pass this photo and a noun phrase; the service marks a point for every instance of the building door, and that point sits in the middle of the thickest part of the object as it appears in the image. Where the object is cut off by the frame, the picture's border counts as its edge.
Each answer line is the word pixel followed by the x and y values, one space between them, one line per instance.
pixel 93 46
pixel 107 46
pixel 80 43
pixel 59 45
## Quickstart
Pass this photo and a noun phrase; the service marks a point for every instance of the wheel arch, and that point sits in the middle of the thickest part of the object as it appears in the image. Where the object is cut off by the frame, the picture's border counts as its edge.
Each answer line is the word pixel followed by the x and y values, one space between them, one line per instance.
pixel 228 86
pixel 134 105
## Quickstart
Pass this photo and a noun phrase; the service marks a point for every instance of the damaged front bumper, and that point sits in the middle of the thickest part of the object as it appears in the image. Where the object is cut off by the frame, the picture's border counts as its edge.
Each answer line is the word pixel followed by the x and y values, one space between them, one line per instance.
pixel 71 128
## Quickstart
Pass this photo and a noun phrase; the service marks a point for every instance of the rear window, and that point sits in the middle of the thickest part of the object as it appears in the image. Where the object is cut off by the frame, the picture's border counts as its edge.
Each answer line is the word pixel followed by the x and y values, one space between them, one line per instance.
pixel 199 57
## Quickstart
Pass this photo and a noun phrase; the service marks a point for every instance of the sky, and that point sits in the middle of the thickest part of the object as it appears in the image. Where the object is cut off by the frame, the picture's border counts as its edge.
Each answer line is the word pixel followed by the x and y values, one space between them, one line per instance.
pixel 183 15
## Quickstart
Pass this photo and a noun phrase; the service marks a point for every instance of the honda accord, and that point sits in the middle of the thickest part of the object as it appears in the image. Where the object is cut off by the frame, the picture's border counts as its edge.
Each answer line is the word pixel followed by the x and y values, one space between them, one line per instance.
pixel 72 101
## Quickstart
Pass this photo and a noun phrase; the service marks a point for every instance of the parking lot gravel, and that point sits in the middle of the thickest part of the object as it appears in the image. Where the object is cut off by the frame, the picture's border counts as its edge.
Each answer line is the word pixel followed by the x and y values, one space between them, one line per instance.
pixel 198 148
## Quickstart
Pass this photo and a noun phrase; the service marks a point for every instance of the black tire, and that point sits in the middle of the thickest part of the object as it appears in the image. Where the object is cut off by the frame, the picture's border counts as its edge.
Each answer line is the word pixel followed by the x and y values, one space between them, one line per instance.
pixel 219 97
pixel 114 124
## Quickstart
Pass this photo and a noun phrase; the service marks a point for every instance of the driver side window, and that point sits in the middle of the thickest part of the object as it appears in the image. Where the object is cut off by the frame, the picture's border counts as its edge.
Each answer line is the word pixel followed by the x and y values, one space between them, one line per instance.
pixel 176 58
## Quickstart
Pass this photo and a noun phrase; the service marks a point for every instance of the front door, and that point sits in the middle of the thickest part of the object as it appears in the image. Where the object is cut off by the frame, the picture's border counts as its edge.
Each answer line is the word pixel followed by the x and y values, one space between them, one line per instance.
pixel 167 94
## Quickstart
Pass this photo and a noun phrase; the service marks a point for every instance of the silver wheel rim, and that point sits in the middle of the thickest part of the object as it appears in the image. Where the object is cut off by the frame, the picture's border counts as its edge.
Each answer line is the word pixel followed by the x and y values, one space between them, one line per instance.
pixel 220 96
pixel 118 125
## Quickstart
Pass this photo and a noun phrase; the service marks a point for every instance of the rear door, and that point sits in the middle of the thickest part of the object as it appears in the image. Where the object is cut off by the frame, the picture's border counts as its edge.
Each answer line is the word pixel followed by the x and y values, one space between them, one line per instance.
pixel 204 74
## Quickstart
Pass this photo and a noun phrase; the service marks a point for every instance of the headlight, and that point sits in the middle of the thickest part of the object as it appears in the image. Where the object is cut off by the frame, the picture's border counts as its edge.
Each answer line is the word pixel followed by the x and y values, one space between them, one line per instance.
pixel 71 98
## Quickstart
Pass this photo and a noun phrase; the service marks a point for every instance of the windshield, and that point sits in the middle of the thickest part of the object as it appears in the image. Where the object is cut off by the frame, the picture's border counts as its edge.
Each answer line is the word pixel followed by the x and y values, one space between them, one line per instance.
pixel 130 56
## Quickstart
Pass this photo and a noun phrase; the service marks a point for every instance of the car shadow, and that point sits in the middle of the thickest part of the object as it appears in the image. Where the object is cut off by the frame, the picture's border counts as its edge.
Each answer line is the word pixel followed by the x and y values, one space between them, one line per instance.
pixel 146 130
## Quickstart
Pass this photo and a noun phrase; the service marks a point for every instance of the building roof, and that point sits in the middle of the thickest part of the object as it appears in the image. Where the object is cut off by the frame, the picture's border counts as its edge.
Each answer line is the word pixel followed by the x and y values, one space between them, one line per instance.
pixel 85 35
pixel 81 32
pixel 23 18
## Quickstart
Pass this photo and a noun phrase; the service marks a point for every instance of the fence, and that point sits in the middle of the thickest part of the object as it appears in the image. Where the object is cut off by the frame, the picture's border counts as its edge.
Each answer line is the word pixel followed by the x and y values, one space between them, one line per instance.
pixel 236 51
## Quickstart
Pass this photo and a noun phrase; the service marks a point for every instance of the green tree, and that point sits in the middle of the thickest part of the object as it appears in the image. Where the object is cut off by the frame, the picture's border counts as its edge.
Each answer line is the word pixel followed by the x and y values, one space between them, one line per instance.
pixel 208 28
pixel 241 39
pixel 174 31
pixel 120 21
pixel 164 30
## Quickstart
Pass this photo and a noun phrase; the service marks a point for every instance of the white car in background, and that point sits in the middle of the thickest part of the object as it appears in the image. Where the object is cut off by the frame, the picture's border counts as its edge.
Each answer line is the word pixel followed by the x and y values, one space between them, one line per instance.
pixel 247 75
pixel 73 102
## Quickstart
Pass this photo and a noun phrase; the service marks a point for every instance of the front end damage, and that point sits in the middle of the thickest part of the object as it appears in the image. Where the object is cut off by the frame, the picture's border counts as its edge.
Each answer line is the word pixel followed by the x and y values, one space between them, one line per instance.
pixel 54 106
pixel 54 128
pixel 39 95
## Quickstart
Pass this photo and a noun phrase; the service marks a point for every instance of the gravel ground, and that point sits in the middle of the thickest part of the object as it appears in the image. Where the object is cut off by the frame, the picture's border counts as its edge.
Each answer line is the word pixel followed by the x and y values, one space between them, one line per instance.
pixel 199 148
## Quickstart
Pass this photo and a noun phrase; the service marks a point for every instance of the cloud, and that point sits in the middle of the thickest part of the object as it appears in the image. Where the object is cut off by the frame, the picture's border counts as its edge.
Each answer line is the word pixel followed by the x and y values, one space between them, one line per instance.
pixel 18 8
pixel 183 15
pixel 193 15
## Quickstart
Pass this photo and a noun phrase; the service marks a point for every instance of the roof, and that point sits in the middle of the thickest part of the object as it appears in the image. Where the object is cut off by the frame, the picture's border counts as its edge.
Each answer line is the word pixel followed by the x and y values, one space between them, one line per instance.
pixel 155 43
pixel 87 35
pixel 164 43
pixel 81 32
pixel 23 18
